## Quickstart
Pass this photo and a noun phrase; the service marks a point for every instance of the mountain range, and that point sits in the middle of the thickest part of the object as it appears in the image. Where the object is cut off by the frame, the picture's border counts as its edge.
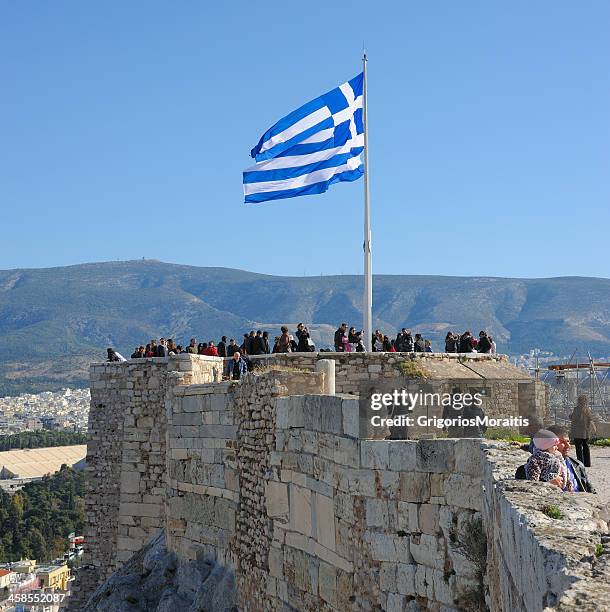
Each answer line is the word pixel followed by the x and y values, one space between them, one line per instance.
pixel 53 321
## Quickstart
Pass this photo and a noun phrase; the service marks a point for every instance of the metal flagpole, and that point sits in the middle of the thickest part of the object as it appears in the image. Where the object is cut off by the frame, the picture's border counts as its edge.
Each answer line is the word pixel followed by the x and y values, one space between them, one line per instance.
pixel 368 278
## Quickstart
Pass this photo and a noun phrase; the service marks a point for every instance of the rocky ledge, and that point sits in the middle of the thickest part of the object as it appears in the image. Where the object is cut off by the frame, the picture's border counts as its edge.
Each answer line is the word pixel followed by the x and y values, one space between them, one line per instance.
pixel 156 580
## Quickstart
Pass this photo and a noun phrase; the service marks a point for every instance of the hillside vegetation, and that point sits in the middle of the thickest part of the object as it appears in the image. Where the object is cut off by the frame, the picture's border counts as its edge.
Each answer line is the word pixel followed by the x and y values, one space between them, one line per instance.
pixel 35 522
pixel 54 320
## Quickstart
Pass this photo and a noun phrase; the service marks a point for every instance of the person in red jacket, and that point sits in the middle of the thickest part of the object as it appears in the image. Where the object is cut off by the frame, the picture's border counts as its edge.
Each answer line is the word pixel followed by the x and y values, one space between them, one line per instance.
pixel 211 350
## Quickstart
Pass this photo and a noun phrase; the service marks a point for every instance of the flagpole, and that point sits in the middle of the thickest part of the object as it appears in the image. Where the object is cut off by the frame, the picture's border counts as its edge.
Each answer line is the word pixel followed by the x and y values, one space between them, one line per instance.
pixel 368 278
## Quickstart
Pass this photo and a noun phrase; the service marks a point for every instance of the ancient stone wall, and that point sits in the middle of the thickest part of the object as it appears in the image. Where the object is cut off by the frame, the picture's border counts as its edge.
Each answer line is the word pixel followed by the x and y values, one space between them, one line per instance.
pixel 536 562
pixel 353 369
pixel 126 457
pixel 271 477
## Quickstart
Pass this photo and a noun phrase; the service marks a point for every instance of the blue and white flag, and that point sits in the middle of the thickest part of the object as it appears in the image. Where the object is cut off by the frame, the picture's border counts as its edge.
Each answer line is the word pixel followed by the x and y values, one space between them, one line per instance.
pixel 311 148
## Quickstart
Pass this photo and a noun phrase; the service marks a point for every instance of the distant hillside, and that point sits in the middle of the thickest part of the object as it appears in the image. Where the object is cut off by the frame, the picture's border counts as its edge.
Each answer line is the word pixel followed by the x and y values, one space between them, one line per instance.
pixel 54 320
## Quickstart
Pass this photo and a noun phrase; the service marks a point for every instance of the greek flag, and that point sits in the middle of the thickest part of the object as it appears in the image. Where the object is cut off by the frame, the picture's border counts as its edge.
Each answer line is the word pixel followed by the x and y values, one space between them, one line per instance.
pixel 311 148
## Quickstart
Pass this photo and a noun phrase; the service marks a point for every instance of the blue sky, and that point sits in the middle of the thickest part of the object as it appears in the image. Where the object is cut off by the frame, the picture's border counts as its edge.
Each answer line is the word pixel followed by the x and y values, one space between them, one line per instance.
pixel 124 128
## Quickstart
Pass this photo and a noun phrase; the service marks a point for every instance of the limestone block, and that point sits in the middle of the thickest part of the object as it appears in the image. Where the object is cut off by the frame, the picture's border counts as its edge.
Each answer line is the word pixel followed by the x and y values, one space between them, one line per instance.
pixel 130 482
pixel 376 513
pixel 324 520
pixel 276 562
pixel 344 507
pixel 300 510
pixel 323 413
pixel 387 547
pixel 289 412
pixel 408 517
pixel 437 485
pixel 361 482
pixel 429 518
pixel 135 509
pixel 424 581
pixel 389 484
pixel 436 455
pixel 195 403
pixel 387 577
pixel 405 578
pixel 444 590
pixel 402 454
pixel 351 416
pixel 327 583
pixel 276 498
pixel 395 602
pixel 414 487
pixel 347 452
pixel 374 454
pixel 463 491
pixel 428 550
pixel 468 457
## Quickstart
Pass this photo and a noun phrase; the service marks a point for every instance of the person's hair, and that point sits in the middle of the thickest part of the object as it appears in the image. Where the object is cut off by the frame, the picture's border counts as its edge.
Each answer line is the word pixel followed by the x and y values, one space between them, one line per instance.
pixel 560 431
pixel 449 335
pixel 482 333
pixel 582 407
pixel 224 338
pixel 284 329
pixel 204 345
pixel 259 332
pixel 265 334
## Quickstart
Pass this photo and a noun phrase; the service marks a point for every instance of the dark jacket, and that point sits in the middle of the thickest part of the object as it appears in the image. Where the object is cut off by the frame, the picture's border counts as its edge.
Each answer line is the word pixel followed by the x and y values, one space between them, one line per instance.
pixel 451 345
pixel 339 340
pixel 161 350
pixel 222 349
pixel 404 343
pixel 466 345
pixel 303 345
pixel 420 346
pixel 484 345
pixel 258 346
pixel 581 475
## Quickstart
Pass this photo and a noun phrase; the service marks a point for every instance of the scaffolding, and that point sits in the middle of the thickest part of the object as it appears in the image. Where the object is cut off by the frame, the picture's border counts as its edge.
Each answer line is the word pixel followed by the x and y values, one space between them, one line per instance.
pixel 576 377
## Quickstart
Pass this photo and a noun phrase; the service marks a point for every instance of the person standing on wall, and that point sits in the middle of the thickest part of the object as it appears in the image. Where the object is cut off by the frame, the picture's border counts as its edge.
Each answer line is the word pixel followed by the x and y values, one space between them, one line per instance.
pixel 583 428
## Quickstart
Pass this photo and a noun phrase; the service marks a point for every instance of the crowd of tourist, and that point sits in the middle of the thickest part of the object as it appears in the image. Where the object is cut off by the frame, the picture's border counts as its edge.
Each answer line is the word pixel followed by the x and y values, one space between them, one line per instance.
pixel 346 339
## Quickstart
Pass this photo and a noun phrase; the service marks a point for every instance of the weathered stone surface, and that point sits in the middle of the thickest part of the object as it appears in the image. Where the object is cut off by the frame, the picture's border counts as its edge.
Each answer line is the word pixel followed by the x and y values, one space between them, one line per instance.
pixel 414 487
pixel 277 500
pixel 374 454
pixel 269 476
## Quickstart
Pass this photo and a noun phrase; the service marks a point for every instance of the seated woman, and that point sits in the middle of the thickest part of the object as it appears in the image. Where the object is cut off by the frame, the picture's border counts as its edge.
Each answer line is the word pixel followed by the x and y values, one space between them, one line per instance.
pixel 545 463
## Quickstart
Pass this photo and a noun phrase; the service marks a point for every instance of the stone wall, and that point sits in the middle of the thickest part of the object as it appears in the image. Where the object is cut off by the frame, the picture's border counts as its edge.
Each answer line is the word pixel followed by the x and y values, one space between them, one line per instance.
pixel 354 369
pixel 312 518
pixel 269 476
pixel 126 457
pixel 536 562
